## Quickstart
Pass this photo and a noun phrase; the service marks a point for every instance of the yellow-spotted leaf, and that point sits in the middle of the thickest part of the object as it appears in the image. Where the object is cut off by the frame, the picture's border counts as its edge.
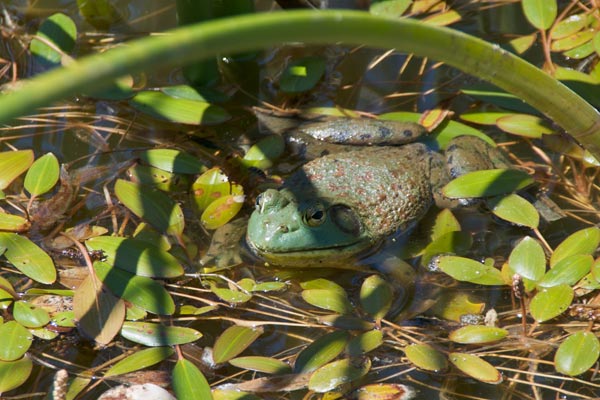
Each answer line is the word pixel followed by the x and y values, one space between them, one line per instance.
pixel 141 291
pixel 475 367
pixel 42 175
pixel 473 334
pixel 27 257
pixel 13 164
pixel 376 296
pixel 172 160
pixel 485 183
pixel 528 259
pixel 577 353
pixel 540 13
pixel 515 209
pixel 524 125
pixel 584 241
pixel 233 341
pixel 183 111
pixel 567 271
pixel 426 357
pixel 136 256
pixel 152 205
pixel 330 376
pixel 189 383
pixel 16 340
pixel 139 360
pixel 467 270
pixel 221 211
pixel 212 185
pixel 321 351
pixel 14 373
pixel 267 365
pixel 153 334
pixel 550 302
pixel 99 313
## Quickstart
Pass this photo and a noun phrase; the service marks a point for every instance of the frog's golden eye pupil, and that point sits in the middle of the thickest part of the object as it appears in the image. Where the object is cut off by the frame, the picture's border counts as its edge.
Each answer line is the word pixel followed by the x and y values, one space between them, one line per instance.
pixel 314 216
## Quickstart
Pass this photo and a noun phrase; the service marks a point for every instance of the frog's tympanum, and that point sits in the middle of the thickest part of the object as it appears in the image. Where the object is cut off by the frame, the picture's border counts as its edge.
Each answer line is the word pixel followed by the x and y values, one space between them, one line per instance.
pixel 341 205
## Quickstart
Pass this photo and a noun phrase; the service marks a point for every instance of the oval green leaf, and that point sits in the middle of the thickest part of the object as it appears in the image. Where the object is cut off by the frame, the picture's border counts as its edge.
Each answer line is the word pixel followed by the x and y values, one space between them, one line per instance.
pixel 30 316
pixel 515 209
pixel 492 182
pixel 473 334
pixel 262 154
pixel 365 342
pixel 152 334
pixel 332 300
pixel 212 185
pixel 540 13
pixel 59 30
pixel 467 270
pixel 426 357
pixel 141 291
pixel 43 175
pixel 157 178
pixel 13 164
pixel 321 351
pixel 376 296
pixel 189 382
pixel 14 373
pixel 233 341
pixel 528 259
pixel 183 111
pixel 584 241
pixel 577 353
pixel 139 360
pixel 568 26
pixel 136 256
pixel 267 365
pixel 172 160
pixel 332 375
pixel 567 271
pixel 475 367
pixel 152 205
pixel 550 302
pixel 28 258
pixel 302 75
pixel 16 340
pixel 13 223
pixel 524 125
pixel 221 211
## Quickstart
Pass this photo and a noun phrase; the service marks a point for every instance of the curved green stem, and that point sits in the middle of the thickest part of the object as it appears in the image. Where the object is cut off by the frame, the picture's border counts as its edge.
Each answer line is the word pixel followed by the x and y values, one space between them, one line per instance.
pixel 253 32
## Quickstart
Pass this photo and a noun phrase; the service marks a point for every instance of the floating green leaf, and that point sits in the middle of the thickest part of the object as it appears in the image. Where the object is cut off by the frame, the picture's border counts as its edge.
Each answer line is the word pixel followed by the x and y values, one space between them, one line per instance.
pixel 376 296
pixel 136 256
pixel 577 353
pixel 332 300
pixel 475 367
pixel 264 152
pixel 43 175
pixel 457 242
pixel 550 302
pixel 139 360
pixel 101 14
pixel 14 373
pixel 13 223
pixel 267 365
pixel 13 164
pixel 30 316
pixel 528 259
pixel 383 391
pixel 141 291
pixel 302 75
pixel 212 185
pixel 568 26
pixel 15 342
pixel 515 209
pixel 584 241
pixel 221 211
pixel 152 205
pixel 426 357
pixel 473 334
pixel 321 283
pixel 99 313
pixel 525 125
pixel 572 41
pixel 152 334
pixel 365 342
pixel 233 341
pixel 332 375
pixel 540 13
pixel 346 322
pixel 492 182
pixel 467 270
pixel 231 295
pixel 59 30
pixel 172 160
pixel 452 306
pixel 321 351
pixel 445 222
pixel 567 271
pixel 28 258
pixel 158 178
pixel 183 111
pixel 189 383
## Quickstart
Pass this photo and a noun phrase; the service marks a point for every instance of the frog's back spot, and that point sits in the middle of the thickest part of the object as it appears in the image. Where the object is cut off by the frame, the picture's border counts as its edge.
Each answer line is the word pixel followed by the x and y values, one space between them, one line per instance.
pixel 384 131
pixel 408 133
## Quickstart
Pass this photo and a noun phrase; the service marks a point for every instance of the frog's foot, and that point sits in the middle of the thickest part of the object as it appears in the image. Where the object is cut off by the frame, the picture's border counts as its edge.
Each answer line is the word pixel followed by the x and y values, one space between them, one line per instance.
pixel 466 154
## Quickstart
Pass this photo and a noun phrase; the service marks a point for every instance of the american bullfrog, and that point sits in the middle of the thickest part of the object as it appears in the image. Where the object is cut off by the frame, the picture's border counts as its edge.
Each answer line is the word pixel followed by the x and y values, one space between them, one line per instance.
pixel 342 205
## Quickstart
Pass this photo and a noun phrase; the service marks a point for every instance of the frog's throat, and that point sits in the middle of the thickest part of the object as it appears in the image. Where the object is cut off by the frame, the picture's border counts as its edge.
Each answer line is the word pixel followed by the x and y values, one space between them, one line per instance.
pixel 321 257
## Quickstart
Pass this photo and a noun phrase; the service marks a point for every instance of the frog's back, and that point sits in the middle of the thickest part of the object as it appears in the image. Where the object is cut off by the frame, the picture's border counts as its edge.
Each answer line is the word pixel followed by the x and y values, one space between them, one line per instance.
pixel 388 187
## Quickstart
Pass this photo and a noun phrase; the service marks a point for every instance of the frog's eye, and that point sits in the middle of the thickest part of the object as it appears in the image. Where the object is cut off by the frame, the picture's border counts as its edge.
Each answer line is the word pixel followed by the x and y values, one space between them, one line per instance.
pixel 315 215
pixel 258 202
pixel 345 219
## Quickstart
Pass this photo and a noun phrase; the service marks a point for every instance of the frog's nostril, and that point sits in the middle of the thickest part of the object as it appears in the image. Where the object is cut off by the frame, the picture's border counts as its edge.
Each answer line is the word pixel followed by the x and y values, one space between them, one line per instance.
pixel 283 229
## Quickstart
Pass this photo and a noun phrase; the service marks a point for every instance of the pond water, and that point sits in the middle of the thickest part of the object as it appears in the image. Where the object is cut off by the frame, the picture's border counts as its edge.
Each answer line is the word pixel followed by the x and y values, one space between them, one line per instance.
pixel 302 319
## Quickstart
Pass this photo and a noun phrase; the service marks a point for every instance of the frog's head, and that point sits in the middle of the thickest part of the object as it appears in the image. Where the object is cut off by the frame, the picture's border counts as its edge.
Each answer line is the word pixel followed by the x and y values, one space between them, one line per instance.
pixel 289 230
